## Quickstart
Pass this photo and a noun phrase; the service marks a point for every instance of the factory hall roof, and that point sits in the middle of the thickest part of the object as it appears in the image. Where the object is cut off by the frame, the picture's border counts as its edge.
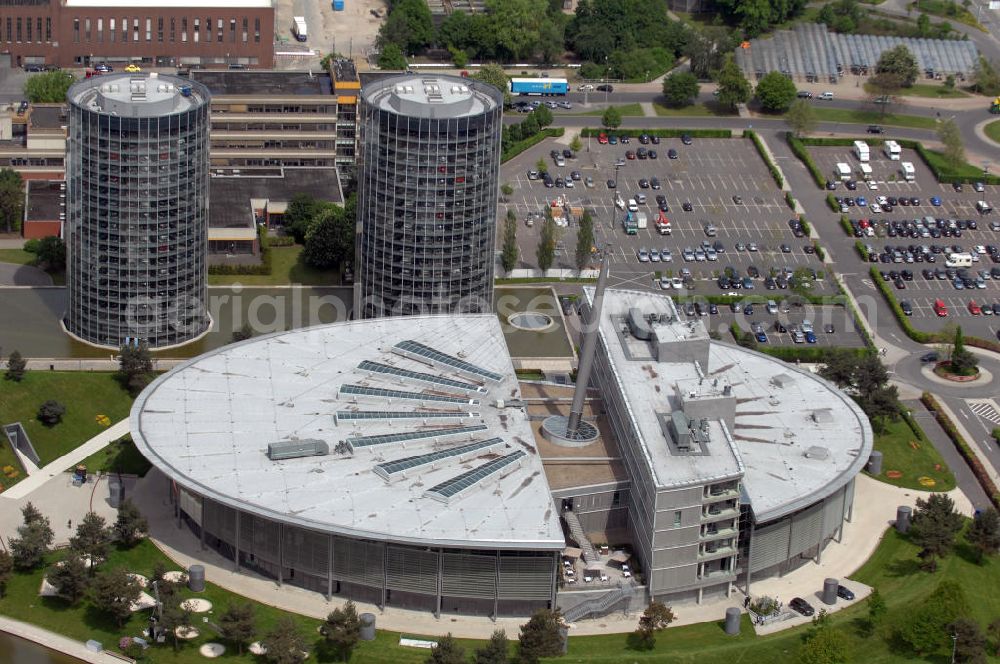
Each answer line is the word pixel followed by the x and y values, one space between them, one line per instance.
pixel 794 437
pixel 401 429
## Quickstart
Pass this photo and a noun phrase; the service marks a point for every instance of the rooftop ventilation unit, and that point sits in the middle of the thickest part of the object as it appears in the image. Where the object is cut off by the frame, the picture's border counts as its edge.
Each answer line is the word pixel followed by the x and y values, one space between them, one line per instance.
pixel 294 449
pixel 817 452
pixel 822 416
pixel 781 380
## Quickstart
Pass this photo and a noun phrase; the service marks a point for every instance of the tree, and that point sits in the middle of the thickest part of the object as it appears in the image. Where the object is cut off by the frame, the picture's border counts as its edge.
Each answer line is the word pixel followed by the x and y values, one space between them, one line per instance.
pixel 951 137
pixel 51 253
pixel 330 239
pixel 459 58
pixel 584 240
pixel 825 646
pixel 986 78
pixel 540 636
pixel 238 624
pixel 113 592
pixel 801 117
pixel 934 527
pixel 34 538
pixel 48 88
pixel 516 27
pixel 299 215
pixel 970 642
pixel 135 365
pixel 876 607
pixel 16 366
pixel 493 74
pixel 173 616
pixel 541 166
pixel 680 88
pixel 447 651
pixel 70 578
pixel 285 644
pixel 925 629
pixel 409 26
pixel 654 620
pixel 984 533
pixel 342 630
pixel 506 189
pixel 6 569
pixel 510 251
pixel 50 413
pixel 963 362
pixel 546 252
pixel 994 630
pixel 130 525
pixel 93 538
pixel 542 115
pixel 243 333
pixel 11 200
pixel 495 650
pixel 612 118
pixel 840 367
pixel 575 143
pixel 898 60
pixel 734 88
pixel 923 24
pixel 776 92
pixel 707 48
pixel 391 57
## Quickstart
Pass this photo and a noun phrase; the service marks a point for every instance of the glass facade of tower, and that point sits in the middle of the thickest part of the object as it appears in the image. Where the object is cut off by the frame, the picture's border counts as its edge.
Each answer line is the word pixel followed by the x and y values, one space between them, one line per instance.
pixel 137 210
pixel 427 200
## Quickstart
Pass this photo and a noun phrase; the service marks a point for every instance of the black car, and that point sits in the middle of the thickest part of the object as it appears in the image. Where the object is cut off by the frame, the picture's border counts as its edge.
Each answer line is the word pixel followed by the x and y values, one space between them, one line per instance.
pixel 687 206
pixel 612 184
pixel 906 307
pixel 845 593
pixel 801 606
pixel 851 184
pixel 652 154
pixel 875 129
pixel 957 186
pixel 672 153
pixel 748 310
pixel 566 303
pixel 780 327
pixel 753 272
pixel 929 357
pixel 685 139
pixel 605 88
pixel 655 140
pixel 831 185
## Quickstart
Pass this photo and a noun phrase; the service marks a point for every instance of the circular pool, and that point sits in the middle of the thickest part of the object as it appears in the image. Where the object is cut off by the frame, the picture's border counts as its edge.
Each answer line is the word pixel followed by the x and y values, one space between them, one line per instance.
pixel 533 321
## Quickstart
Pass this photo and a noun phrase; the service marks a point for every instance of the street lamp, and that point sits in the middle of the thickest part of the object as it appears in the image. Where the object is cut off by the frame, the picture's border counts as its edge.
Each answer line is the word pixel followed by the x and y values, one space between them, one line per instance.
pixel 954 646
pixel 614 201
pixel 986 170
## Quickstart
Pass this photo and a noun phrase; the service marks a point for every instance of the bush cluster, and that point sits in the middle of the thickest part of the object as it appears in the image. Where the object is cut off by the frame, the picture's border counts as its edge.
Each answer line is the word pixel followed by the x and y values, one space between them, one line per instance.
pixel 771 166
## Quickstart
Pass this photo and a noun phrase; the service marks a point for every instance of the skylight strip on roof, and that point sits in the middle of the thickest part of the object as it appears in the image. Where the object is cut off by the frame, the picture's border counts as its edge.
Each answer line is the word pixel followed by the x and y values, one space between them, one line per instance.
pixel 440 434
pixel 347 415
pixel 410 348
pixel 419 376
pixel 452 488
pixel 361 390
pixel 390 469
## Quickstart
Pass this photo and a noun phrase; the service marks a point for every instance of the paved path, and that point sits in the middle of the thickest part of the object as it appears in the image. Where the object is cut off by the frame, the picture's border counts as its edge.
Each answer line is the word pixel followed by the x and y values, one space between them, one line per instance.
pixel 47 472
pixel 13 274
pixel 55 641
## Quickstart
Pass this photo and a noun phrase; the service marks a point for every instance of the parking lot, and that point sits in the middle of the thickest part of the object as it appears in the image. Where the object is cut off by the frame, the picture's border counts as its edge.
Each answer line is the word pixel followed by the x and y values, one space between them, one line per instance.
pixel 720 183
pixel 910 243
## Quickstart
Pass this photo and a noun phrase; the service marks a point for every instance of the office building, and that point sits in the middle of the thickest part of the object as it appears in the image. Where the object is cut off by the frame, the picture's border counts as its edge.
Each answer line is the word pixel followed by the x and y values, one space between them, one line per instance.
pixel 428 179
pixel 162 33
pixel 137 211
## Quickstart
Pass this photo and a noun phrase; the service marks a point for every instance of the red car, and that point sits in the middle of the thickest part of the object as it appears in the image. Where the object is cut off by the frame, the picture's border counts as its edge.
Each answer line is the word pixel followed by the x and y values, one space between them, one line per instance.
pixel 630 155
pixel 602 139
pixel 974 308
pixel 940 309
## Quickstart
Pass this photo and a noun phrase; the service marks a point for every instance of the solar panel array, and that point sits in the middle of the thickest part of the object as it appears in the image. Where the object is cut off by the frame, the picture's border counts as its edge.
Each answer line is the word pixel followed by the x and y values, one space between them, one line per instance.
pixel 812 49
pixel 389 438
pixel 409 348
pixel 382 393
pixel 419 376
pixel 390 468
pixel 346 415
pixel 453 487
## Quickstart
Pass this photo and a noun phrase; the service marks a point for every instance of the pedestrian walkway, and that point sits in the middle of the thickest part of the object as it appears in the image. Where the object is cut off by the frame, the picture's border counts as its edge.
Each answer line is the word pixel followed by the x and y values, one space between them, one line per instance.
pixel 60 465
pixel 58 642
pixel 647 109
pixel 874 510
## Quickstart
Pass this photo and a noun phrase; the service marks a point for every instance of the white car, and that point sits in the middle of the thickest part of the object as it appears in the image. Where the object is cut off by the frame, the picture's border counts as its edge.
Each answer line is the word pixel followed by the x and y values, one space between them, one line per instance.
pixel 980 249
pixel 872 185
pixel 569 183
pixel 619 201
pixel 643 255
pixel 677 283
pixel 654 255
pixel 666 255
pixel 882 200
pixel 586 87
pixel 876 208
pixel 825 96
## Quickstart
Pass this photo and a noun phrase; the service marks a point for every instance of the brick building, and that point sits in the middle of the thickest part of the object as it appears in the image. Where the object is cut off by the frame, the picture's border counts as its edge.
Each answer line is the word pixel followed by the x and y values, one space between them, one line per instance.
pixel 70 33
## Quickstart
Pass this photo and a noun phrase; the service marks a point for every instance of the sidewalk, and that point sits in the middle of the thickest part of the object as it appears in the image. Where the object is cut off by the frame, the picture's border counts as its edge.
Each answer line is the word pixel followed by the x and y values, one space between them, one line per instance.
pixel 55 641
pixel 971 440
pixel 47 472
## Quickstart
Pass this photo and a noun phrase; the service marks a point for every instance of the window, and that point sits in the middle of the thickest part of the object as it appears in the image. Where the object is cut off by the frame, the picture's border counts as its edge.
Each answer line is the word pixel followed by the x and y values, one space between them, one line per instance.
pixel 10 29
pixel 111 30
pixel 677 519
pixel 135 29
pixel 232 30
pixel 184 29
pixel 159 29
pixel 125 29
pixel 173 28
pixel 100 31
pixel 29 30
pixel 38 32
pixel 76 30
pixel 208 29
pixel 256 30
pixel 149 29
pixel 218 29
pixel 86 29
pixel 197 29
pixel 244 29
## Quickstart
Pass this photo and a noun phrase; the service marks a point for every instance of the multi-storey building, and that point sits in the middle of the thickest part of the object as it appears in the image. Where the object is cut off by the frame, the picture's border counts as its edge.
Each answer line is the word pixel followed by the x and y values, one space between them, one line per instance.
pixel 427 195
pixel 69 33
pixel 137 213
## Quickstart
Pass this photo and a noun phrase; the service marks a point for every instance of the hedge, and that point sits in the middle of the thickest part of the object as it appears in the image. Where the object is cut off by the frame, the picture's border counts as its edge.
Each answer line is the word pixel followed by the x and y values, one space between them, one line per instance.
pixel 963 447
pixel 799 150
pixel 862 252
pixel 762 151
pixel 832 202
pixel 846 225
pixel 820 251
pixel 264 267
pixel 848 142
pixel 662 133
pixel 522 145
pixel 919 335
pixel 806 228
pixel 789 201
pixel 812 354
pixel 819 300
pixel 281 241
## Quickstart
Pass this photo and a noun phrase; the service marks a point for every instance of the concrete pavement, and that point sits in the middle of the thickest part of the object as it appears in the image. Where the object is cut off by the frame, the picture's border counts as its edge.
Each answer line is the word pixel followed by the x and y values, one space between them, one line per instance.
pixel 55 641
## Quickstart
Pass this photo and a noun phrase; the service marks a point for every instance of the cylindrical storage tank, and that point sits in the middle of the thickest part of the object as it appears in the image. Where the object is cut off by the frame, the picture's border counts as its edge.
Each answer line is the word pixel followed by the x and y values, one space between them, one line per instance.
pixel 428 182
pixel 903 515
pixel 830 587
pixel 116 491
pixel 874 463
pixel 137 209
pixel 564 635
pixel 733 621
pixel 367 626
pixel 196 578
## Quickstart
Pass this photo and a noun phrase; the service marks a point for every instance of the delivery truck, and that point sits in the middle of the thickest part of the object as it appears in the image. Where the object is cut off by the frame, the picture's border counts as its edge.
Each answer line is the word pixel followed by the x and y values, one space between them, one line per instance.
pixel 299 28
pixel 539 86
pixel 663 223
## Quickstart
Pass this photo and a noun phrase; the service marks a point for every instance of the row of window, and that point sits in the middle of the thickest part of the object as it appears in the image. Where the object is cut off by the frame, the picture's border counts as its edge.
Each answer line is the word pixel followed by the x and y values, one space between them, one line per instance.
pixel 28 29
pixel 224 125
pixel 174 29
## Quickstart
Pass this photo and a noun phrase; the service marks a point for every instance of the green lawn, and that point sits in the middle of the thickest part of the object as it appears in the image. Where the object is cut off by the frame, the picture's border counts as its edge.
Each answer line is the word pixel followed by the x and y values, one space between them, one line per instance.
pixel 85 396
pixel 873 117
pixel 19 256
pixel 627 110
pixel 7 458
pixel 936 159
pixel 925 90
pixel 694 110
pixel 914 456
pixel 993 130
pixel 121 456
pixel 286 268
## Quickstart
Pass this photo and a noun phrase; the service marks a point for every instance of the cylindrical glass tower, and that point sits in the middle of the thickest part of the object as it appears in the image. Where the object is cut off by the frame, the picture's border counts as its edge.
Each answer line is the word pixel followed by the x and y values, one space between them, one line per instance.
pixel 427 200
pixel 137 209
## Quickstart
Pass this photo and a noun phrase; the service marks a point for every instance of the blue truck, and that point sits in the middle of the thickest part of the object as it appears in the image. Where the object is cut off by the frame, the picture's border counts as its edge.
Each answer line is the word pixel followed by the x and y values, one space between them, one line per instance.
pixel 539 86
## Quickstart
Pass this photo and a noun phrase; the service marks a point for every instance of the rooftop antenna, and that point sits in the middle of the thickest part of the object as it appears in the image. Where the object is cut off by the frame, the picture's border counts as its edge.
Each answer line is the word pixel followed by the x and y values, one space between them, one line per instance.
pixel 573 431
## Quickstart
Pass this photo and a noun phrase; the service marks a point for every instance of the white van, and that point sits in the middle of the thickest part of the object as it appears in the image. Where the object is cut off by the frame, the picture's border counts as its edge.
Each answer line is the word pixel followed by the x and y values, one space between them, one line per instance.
pixel 861 151
pixel 892 150
pixel 866 171
pixel 909 173
pixel 843 172
pixel 632 205
pixel 958 260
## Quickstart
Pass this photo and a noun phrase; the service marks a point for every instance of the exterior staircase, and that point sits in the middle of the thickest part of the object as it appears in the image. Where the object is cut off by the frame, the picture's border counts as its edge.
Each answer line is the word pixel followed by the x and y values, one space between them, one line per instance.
pixel 576 530
pixel 602 605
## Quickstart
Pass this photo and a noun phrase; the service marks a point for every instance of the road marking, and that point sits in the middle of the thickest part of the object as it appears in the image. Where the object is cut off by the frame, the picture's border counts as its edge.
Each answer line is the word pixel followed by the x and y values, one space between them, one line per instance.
pixel 985 408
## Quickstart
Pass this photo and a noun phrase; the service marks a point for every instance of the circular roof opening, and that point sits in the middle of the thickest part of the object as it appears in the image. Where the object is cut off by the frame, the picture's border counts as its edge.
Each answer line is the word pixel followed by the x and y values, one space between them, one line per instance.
pixel 531 320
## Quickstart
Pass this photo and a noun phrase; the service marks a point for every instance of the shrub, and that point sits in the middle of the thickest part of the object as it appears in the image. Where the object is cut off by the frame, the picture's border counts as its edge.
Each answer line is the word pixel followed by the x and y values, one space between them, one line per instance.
pixel 832 203
pixel 520 146
pixel 771 166
pixel 799 150
pixel 662 133
pixel 51 412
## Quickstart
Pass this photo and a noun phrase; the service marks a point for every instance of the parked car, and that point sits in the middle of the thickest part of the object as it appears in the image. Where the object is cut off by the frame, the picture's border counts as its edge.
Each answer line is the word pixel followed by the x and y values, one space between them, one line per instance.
pixel 845 593
pixel 798 604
